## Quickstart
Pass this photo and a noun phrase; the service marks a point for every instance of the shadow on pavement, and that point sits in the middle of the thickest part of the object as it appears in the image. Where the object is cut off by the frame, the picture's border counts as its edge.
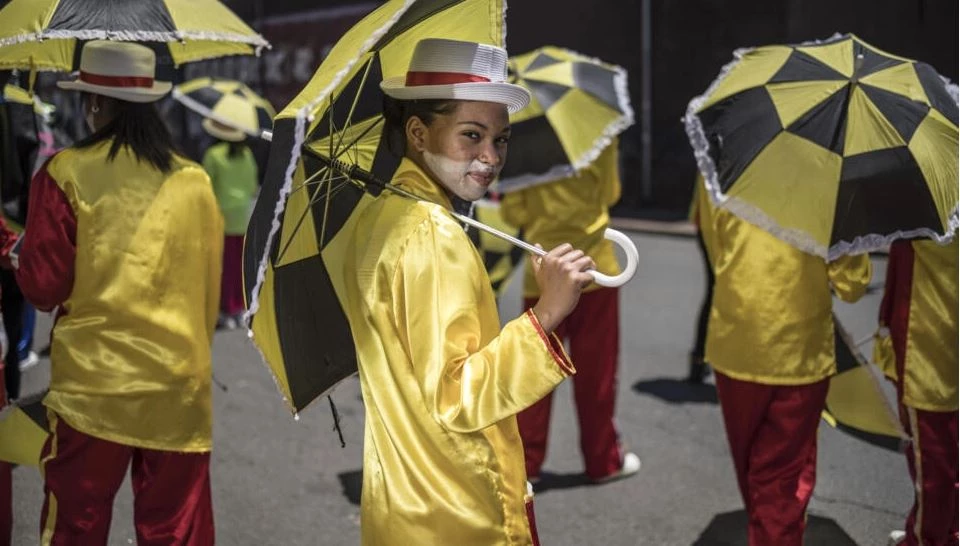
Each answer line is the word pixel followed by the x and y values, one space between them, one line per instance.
pixel 549 480
pixel 730 529
pixel 352 484
pixel 677 391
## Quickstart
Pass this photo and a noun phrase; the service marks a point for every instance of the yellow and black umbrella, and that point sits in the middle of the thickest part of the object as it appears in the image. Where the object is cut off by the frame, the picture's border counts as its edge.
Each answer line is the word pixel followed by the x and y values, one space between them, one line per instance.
pixel 835 147
pixel 43 34
pixel 856 403
pixel 578 106
pixel 230 102
pixel 292 295
pixel 23 431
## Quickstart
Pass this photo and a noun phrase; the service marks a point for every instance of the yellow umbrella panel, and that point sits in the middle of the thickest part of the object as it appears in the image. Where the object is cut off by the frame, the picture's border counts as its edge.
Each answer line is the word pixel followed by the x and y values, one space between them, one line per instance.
pixel 835 147
pixel 292 245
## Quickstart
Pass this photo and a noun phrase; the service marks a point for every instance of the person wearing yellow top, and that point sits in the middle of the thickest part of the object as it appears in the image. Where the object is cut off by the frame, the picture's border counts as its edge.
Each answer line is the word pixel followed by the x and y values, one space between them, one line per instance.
pixel 770 341
pixel 124 238
pixel 575 210
pixel 918 347
pixel 441 382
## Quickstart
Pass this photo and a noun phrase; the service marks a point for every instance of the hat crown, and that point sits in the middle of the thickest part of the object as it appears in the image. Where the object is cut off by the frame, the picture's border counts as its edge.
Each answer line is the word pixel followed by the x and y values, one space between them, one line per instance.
pixel 453 56
pixel 111 58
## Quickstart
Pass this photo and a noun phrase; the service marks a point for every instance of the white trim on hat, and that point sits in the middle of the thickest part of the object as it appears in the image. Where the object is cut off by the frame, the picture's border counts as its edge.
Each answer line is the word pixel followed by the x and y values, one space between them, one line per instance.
pixel 456 70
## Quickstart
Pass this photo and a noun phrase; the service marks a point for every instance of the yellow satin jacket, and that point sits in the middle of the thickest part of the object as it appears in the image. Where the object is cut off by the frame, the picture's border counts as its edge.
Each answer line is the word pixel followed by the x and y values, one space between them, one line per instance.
pixel 441 382
pixel 137 253
pixel 920 313
pixel 573 210
pixel 771 318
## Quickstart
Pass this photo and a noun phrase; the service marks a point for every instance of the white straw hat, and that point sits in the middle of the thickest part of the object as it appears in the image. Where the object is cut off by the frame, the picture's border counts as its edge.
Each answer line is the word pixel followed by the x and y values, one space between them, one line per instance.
pixel 122 70
pixel 451 69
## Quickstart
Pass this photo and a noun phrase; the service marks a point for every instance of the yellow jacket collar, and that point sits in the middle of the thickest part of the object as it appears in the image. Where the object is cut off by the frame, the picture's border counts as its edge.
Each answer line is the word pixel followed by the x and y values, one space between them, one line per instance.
pixel 411 177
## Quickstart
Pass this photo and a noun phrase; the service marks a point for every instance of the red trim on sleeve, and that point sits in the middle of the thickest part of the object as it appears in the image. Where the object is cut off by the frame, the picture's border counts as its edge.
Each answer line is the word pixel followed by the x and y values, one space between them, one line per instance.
pixel 553 345
pixel 49 249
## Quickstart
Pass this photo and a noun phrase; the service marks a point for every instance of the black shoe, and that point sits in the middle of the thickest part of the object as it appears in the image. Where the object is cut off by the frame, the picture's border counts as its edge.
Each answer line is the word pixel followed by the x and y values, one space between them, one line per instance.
pixel 699 370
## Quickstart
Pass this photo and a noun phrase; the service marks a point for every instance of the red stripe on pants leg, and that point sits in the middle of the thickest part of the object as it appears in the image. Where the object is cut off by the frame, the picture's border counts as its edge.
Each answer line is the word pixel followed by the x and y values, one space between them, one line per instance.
pixel 533 523
pixel 773 435
pixel 172 503
pixel 933 516
pixel 81 478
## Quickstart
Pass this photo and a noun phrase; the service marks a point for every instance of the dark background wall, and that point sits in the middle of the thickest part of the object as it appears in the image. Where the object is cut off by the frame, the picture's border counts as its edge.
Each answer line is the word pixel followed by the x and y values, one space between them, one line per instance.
pixel 693 39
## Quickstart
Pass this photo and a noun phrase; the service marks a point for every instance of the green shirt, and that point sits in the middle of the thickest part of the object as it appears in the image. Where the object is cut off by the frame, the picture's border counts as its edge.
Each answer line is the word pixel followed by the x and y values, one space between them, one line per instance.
pixel 234 184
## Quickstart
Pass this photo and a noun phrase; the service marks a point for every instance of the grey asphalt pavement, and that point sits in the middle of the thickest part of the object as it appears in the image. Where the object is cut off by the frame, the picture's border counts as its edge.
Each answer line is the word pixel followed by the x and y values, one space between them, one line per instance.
pixel 284 481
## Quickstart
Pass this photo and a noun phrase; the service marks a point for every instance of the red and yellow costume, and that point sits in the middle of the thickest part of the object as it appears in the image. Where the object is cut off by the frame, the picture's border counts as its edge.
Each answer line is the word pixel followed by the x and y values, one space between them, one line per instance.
pixel 131 257
pixel 576 210
pixel 920 308
pixel 770 340
pixel 441 382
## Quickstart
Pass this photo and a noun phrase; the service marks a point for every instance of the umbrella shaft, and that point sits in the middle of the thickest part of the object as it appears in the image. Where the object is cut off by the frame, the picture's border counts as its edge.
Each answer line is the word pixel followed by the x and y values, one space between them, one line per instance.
pixel 479 225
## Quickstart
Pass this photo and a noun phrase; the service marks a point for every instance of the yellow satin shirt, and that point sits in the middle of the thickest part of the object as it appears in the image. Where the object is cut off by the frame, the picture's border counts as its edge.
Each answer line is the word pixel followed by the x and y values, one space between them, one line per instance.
pixel 921 288
pixel 130 353
pixel 572 210
pixel 771 318
pixel 441 382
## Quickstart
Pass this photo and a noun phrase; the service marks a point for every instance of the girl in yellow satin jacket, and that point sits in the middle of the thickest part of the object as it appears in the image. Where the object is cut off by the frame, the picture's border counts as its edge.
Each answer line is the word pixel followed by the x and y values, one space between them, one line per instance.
pixel 917 347
pixel 575 210
pixel 770 341
pixel 125 240
pixel 441 381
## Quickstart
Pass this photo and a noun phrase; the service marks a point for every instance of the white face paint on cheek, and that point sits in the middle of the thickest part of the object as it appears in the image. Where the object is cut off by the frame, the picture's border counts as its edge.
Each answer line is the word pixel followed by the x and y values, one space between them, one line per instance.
pixel 452 175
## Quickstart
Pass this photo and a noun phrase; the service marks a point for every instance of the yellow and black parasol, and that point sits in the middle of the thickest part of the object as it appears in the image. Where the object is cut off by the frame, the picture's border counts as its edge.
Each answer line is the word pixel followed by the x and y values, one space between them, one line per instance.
pixel 41 35
pixel 835 147
pixel 578 106
pixel 230 102
pixel 296 319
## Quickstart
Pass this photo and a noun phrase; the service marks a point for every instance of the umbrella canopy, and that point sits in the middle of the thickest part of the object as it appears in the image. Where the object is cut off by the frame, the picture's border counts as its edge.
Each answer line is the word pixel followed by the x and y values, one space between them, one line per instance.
pixel 835 147
pixel 578 106
pixel 856 403
pixel 43 34
pixel 296 319
pixel 228 101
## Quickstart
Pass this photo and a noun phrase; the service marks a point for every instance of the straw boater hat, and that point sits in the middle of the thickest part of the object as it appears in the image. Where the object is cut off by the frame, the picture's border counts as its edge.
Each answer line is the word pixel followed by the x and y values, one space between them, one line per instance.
pixel 121 70
pixel 450 69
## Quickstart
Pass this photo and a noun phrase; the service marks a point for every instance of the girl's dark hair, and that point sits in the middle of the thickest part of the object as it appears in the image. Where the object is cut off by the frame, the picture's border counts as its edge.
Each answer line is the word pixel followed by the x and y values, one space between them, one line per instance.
pixel 396 113
pixel 139 127
pixel 234 149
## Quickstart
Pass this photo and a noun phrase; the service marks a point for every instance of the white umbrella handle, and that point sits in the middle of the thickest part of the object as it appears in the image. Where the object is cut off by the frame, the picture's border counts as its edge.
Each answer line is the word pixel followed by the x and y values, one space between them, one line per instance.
pixel 633 257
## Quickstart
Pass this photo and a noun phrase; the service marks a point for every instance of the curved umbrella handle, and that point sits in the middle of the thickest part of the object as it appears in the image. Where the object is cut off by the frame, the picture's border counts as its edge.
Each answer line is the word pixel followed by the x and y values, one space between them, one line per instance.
pixel 633 257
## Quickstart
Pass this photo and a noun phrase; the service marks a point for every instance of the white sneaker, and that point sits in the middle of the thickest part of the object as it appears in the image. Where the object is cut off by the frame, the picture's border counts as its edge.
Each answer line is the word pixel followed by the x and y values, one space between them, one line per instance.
pixel 631 465
pixel 896 537
pixel 29 362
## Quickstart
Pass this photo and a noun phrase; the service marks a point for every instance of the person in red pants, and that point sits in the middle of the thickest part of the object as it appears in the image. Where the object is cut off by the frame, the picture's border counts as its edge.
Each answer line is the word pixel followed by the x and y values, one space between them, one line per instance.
pixel 125 239
pixel 576 210
pixel 917 347
pixel 770 341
